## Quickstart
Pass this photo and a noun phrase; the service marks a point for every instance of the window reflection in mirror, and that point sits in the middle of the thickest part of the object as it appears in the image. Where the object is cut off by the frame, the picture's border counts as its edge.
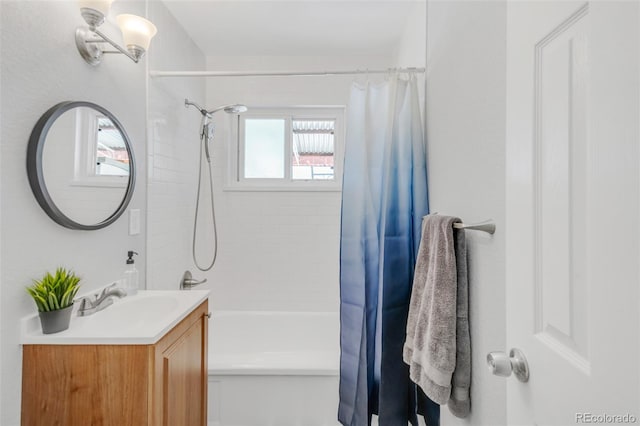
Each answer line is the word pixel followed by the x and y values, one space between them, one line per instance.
pixel 101 157
pixel 111 157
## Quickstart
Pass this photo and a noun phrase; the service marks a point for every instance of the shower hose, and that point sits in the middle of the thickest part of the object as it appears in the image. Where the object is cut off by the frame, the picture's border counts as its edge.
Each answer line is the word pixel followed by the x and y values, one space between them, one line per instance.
pixel 204 138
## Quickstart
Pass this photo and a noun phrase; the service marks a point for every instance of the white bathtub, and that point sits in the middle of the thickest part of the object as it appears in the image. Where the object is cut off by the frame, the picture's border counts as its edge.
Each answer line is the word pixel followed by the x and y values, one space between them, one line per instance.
pixel 273 368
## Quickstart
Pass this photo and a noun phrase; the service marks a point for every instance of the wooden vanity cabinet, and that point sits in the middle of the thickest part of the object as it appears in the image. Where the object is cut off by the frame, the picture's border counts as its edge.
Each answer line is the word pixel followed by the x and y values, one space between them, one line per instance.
pixel 164 384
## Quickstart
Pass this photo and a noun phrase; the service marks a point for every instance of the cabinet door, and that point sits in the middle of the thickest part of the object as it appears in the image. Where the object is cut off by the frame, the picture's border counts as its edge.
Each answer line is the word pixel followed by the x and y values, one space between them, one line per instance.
pixel 73 385
pixel 184 375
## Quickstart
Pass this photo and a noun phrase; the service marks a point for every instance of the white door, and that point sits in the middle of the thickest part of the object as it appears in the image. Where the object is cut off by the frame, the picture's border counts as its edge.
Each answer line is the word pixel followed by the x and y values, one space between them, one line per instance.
pixel 573 191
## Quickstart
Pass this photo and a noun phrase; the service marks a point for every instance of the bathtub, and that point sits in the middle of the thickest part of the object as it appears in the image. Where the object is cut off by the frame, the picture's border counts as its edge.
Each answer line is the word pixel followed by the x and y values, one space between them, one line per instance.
pixel 273 368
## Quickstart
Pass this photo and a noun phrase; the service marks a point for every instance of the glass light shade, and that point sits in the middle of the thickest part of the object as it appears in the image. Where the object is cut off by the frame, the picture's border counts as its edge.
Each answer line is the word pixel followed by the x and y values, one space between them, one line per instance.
pixel 136 31
pixel 101 6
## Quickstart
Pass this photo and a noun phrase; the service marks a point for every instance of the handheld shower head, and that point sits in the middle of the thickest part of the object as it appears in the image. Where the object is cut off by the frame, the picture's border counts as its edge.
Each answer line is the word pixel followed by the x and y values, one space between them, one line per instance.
pixel 207 126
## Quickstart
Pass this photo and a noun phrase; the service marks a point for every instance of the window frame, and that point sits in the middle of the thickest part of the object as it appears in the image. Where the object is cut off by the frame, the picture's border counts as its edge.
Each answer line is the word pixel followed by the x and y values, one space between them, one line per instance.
pixel 237 182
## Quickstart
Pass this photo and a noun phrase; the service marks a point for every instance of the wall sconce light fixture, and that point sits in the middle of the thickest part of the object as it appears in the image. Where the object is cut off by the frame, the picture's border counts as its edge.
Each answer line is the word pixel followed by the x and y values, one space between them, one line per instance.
pixel 137 33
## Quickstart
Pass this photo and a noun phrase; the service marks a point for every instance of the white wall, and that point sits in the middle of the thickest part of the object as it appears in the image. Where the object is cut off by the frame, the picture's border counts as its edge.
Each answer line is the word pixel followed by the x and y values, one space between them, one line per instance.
pixel 466 158
pixel 172 151
pixel 412 47
pixel 278 250
pixel 40 67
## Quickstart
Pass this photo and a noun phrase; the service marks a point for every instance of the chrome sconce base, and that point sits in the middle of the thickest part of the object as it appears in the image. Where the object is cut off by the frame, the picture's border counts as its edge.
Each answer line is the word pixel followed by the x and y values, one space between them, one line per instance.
pixel 88 40
pixel 87 46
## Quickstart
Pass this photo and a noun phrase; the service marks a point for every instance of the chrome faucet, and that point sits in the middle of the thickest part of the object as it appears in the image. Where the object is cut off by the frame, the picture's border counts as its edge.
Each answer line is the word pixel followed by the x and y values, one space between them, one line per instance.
pixel 99 301
pixel 187 282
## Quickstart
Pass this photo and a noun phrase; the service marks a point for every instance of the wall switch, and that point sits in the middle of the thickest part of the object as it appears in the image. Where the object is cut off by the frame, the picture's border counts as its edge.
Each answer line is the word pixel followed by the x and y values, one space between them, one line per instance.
pixel 134 221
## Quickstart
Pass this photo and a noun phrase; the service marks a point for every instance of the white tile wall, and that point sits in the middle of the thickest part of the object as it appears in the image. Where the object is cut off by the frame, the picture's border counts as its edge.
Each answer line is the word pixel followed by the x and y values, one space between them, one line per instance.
pixel 278 250
pixel 173 145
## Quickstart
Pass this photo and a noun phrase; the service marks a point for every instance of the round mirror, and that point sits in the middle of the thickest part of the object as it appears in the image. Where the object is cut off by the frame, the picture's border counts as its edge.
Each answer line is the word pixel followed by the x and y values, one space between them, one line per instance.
pixel 80 165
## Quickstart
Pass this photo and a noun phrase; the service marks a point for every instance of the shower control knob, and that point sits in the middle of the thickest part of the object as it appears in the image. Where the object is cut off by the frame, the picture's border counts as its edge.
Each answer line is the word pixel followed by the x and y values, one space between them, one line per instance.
pixel 501 364
pixel 188 282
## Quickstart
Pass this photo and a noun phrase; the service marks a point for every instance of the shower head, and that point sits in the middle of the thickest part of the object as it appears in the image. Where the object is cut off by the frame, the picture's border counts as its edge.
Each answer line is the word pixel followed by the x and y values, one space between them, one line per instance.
pixel 236 109
pixel 230 109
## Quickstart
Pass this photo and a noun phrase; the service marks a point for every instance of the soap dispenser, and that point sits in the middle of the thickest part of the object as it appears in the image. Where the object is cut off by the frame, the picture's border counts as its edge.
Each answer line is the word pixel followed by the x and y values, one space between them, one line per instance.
pixel 131 275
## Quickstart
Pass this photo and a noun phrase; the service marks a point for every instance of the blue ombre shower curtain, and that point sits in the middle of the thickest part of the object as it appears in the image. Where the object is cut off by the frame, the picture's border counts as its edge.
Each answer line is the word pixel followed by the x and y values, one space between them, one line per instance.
pixel 384 197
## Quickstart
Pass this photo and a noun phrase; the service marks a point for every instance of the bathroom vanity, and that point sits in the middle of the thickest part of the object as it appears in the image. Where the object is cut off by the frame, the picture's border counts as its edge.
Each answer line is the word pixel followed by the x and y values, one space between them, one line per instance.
pixel 142 361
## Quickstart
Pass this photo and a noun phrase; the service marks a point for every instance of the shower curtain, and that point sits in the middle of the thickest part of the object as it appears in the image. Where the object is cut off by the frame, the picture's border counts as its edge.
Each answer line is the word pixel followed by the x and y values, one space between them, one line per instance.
pixel 384 197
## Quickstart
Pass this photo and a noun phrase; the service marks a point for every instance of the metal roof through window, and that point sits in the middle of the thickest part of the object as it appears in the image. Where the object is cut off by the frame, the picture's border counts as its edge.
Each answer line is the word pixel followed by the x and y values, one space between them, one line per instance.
pixel 313 137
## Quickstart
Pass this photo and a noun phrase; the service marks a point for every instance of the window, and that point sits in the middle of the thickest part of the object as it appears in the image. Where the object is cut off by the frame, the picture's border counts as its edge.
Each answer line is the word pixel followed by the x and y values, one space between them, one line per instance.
pixel 111 156
pixel 288 149
pixel 101 157
pixel 313 149
pixel 264 148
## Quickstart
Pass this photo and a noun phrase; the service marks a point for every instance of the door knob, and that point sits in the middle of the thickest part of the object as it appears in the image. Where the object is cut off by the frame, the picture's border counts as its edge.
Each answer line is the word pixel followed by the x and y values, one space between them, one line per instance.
pixel 502 365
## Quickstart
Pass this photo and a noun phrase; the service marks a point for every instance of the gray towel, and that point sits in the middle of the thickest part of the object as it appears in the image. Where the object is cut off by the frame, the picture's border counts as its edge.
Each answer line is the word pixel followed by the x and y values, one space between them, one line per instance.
pixel 437 348
pixel 460 402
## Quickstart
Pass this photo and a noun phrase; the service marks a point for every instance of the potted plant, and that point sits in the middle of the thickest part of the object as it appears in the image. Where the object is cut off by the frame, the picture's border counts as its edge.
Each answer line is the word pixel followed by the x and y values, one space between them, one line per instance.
pixel 54 295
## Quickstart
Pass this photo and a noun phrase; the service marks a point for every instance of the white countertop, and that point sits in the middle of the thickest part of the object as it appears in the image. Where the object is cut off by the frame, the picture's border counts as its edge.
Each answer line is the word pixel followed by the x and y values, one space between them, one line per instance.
pixel 142 319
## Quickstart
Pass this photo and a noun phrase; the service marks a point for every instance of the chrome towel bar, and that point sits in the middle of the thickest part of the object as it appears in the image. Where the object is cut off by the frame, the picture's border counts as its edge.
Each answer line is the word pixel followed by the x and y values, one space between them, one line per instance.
pixel 487 226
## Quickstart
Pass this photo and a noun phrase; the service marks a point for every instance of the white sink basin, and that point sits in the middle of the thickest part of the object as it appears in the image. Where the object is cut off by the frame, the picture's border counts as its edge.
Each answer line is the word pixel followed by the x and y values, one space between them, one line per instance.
pixel 134 312
pixel 140 319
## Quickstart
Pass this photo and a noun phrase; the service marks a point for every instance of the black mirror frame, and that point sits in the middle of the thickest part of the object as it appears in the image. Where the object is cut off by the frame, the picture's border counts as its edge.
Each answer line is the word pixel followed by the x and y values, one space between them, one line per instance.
pixel 36 176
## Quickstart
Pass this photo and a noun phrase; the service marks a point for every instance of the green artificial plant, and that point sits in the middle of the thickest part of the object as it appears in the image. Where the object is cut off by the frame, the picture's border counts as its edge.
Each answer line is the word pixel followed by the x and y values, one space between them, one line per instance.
pixel 55 292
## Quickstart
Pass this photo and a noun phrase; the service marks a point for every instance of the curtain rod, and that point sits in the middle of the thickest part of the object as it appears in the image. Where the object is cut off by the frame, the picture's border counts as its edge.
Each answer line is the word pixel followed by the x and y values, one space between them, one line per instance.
pixel 277 73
